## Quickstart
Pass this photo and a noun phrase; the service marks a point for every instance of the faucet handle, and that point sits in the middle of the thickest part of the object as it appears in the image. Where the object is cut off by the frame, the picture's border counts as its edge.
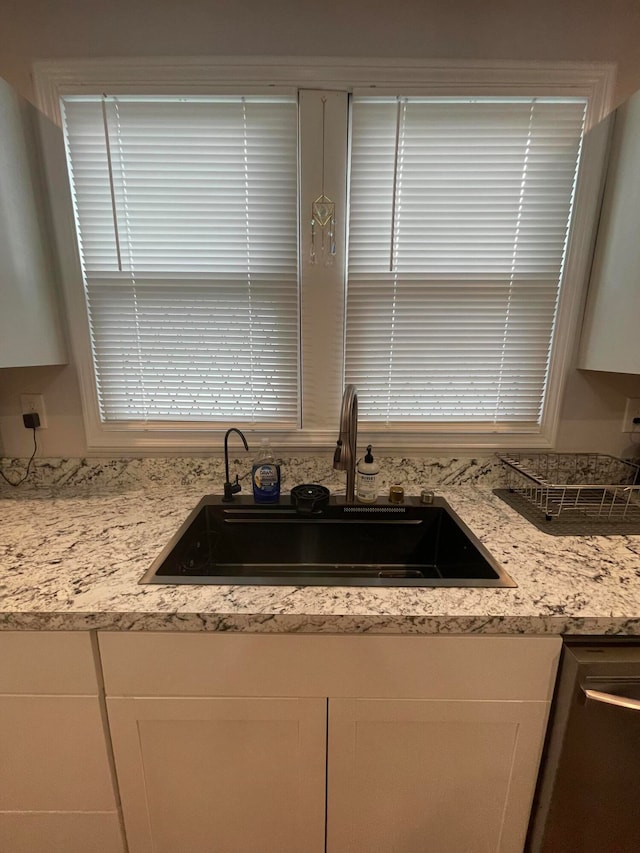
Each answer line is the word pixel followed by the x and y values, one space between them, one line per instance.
pixel 337 454
pixel 231 489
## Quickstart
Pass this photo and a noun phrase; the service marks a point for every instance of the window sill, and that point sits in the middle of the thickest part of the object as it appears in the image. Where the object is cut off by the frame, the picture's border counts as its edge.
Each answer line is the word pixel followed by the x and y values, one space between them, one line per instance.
pixel 207 438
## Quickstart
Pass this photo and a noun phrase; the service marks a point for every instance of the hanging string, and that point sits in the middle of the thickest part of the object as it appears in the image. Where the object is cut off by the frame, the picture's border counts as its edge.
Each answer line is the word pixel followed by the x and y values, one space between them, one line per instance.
pixel 324 113
pixel 114 209
pixel 394 196
pixel 323 210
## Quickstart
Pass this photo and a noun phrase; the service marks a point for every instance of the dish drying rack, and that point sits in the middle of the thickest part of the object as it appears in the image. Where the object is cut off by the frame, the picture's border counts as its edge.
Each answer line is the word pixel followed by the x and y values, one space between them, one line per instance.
pixel 594 484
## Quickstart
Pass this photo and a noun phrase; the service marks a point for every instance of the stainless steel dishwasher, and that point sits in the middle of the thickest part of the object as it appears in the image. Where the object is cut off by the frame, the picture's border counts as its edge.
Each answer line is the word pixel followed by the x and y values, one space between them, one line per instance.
pixel 588 797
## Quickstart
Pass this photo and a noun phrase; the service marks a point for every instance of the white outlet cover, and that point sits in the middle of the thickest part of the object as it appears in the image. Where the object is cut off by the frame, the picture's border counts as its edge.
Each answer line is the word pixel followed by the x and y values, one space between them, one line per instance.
pixel 34 403
pixel 632 411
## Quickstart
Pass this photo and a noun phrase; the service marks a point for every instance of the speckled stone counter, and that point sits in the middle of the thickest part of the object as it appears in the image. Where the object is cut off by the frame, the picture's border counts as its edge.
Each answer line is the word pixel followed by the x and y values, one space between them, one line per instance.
pixel 74 546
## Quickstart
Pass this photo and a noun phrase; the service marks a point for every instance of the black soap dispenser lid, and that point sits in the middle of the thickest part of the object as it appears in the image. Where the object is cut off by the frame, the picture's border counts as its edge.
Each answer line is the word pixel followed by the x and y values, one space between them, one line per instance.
pixel 369 455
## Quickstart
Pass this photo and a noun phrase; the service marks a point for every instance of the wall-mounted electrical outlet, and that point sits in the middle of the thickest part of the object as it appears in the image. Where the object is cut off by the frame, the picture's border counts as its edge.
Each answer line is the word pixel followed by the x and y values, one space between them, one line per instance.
pixel 630 413
pixel 34 403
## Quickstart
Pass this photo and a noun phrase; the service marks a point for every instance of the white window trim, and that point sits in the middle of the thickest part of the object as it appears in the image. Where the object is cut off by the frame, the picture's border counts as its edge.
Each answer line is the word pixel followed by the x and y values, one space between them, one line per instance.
pixel 595 81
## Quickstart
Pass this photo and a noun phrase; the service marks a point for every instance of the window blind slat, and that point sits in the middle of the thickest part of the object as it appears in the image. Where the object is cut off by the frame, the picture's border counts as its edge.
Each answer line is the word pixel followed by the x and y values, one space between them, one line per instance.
pixel 459 215
pixel 186 211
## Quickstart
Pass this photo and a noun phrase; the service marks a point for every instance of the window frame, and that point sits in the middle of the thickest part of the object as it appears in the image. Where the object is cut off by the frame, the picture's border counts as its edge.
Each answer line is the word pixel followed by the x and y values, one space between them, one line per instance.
pixel 322 288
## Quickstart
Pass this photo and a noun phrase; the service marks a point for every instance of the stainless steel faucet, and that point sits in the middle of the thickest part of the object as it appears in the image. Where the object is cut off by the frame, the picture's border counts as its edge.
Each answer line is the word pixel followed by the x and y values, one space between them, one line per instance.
pixel 344 458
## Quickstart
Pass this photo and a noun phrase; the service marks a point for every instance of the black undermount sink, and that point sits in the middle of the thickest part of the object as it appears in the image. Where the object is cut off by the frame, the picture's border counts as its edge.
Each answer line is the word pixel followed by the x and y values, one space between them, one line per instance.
pixel 409 544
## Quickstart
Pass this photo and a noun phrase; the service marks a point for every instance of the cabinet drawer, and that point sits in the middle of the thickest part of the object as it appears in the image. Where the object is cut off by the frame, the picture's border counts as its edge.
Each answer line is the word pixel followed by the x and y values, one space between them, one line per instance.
pixel 53 755
pixel 47 662
pixel 73 832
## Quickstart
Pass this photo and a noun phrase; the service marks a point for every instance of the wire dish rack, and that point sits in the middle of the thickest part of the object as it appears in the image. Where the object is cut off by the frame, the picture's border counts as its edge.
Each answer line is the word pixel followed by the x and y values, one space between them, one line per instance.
pixel 594 484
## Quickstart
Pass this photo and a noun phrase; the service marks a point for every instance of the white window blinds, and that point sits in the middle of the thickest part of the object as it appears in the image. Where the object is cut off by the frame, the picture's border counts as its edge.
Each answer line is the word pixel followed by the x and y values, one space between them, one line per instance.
pixel 459 216
pixel 186 211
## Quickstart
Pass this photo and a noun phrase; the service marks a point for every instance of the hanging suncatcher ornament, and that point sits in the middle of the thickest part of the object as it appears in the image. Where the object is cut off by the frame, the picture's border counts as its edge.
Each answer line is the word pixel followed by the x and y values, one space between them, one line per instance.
pixel 323 213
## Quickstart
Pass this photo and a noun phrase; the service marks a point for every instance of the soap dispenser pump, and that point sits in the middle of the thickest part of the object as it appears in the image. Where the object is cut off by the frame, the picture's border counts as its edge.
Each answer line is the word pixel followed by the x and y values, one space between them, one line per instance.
pixel 367 478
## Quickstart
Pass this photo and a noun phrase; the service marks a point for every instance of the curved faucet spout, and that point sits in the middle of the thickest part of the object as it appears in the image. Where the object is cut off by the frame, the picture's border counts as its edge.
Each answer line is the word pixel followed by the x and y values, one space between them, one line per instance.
pixel 230 489
pixel 345 454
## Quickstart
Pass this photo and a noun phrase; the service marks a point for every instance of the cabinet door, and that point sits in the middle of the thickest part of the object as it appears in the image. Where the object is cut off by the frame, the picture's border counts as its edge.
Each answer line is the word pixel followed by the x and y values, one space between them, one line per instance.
pixel 221 774
pixel 610 336
pixel 30 329
pixel 445 776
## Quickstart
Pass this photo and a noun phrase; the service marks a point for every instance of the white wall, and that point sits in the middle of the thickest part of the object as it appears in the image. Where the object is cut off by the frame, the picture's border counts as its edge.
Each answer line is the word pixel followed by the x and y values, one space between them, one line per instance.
pixel 472 29
pixel 494 29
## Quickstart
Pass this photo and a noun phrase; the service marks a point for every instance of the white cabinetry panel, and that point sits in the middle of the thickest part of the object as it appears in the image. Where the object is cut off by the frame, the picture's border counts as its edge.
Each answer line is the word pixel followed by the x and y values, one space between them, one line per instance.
pixel 57 791
pixel 431 743
pixel 234 774
pixel 447 776
pixel 611 332
pixel 53 755
pixel 62 832
pixel 30 329
pixel 51 662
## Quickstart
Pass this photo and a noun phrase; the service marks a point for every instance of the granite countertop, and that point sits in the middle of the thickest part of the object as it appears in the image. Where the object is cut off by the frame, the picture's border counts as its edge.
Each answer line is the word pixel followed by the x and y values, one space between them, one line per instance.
pixel 72 553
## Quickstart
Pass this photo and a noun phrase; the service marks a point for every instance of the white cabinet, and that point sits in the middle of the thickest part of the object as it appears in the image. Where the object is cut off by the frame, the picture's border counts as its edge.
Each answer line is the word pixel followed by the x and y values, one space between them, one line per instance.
pixel 56 786
pixel 240 743
pixel 611 331
pixel 229 774
pixel 30 329
pixel 459 774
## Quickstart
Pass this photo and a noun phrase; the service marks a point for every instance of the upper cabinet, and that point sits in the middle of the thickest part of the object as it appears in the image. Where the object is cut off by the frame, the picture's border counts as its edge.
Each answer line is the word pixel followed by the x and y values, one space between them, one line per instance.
pixel 611 332
pixel 30 327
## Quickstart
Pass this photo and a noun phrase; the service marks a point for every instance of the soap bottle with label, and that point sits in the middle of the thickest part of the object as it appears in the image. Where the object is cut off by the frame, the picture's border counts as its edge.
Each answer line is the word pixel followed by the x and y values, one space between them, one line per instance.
pixel 367 478
pixel 265 475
